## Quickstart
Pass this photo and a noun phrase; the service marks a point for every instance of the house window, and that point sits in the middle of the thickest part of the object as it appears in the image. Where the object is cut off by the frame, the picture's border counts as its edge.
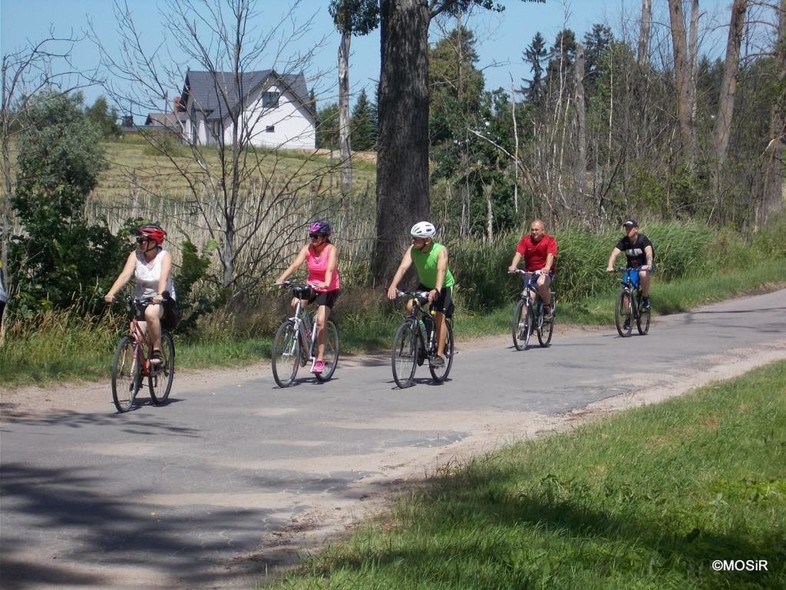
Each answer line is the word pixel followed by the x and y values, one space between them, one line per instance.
pixel 270 129
pixel 270 100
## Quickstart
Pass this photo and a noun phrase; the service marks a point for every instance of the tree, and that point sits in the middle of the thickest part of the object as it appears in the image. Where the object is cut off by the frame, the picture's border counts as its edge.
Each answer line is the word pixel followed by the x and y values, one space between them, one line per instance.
pixel 327 127
pixel 535 54
pixel 684 78
pixel 59 258
pixel 351 17
pixel 254 216
pixel 105 118
pixel 644 32
pixel 364 124
pixel 402 155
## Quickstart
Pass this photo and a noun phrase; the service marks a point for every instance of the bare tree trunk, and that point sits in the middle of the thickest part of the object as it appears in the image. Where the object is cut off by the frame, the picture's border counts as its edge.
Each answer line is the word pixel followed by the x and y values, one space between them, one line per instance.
pixel 720 137
pixel 402 158
pixel 693 65
pixel 343 114
pixel 644 31
pixel 774 188
pixel 682 80
pixel 581 126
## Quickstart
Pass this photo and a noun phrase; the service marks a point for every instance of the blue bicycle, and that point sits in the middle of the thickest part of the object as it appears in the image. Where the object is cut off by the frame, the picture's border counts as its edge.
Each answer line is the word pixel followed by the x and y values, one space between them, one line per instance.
pixel 630 305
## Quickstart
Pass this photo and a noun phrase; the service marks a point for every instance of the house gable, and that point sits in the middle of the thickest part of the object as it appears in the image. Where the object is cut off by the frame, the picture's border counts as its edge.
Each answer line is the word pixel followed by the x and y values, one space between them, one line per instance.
pixel 210 99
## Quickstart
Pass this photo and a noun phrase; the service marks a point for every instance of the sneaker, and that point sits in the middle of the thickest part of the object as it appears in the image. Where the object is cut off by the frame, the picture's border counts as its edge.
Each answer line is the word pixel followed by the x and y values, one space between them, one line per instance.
pixel 548 313
pixel 437 361
pixel 156 358
pixel 626 325
pixel 318 367
pixel 646 303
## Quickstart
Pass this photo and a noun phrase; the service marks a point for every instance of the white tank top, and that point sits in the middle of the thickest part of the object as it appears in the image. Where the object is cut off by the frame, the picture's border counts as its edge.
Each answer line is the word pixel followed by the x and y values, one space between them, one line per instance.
pixel 147 275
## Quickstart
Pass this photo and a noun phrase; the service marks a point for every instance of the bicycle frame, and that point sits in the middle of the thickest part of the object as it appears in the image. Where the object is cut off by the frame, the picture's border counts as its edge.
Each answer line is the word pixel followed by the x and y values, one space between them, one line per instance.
pixel 416 340
pixel 629 302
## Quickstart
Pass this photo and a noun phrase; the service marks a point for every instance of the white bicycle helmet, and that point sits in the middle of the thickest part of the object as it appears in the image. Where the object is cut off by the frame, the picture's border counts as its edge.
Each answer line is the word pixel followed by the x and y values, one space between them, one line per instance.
pixel 423 229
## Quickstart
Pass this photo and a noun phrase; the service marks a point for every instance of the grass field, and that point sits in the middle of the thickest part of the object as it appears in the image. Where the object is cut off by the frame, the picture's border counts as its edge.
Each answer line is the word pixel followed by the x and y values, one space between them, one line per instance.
pixel 647 499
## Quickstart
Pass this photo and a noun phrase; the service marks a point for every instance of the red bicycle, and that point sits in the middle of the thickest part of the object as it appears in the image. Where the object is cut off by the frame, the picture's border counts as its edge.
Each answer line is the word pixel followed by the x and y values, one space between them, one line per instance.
pixel 132 366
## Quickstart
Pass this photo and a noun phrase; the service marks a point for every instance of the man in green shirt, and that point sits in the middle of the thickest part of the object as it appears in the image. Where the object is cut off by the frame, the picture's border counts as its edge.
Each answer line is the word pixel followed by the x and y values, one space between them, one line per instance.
pixel 431 263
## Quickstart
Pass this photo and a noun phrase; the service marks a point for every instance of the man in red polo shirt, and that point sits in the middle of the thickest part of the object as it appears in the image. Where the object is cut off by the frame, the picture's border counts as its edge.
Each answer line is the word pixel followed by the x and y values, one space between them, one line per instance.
pixel 539 251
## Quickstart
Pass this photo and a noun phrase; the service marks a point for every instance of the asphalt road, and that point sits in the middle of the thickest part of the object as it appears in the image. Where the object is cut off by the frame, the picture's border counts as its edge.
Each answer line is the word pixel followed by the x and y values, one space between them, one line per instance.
pixel 236 477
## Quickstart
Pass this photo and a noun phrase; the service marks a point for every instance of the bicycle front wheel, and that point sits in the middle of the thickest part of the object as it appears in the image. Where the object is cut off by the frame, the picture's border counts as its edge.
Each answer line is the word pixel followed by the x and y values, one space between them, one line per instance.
pixel 441 373
pixel 545 329
pixel 404 355
pixel 286 354
pixel 126 374
pixel 331 353
pixel 162 375
pixel 622 314
pixel 643 317
pixel 521 326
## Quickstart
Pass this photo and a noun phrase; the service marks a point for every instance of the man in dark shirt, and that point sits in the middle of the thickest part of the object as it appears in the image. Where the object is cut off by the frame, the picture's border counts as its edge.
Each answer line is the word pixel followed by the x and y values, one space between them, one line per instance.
pixel 638 250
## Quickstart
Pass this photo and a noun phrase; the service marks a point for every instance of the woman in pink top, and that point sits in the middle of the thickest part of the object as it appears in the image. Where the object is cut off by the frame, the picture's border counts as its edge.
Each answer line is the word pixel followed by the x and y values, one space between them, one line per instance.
pixel 322 260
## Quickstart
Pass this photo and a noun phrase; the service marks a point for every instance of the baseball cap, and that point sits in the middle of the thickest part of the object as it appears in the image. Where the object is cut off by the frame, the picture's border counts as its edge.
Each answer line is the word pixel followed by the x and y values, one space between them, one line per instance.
pixel 631 223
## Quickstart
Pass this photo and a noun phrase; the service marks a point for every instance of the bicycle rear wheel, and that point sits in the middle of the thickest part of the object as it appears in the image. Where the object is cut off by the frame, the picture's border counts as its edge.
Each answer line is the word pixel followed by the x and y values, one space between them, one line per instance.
pixel 286 354
pixel 404 355
pixel 441 373
pixel 643 317
pixel 331 353
pixel 521 326
pixel 162 375
pixel 622 314
pixel 126 374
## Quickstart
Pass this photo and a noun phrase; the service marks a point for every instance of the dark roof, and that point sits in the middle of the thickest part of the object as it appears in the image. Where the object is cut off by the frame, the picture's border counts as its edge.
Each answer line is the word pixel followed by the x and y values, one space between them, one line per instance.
pixel 169 120
pixel 202 86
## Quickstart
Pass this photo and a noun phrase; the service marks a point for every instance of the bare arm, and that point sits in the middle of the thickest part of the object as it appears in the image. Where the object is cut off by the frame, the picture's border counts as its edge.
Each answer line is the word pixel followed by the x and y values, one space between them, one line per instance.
pixel 166 269
pixel 514 264
pixel 297 263
pixel 649 254
pixel 122 280
pixel 406 262
pixel 331 266
pixel 614 253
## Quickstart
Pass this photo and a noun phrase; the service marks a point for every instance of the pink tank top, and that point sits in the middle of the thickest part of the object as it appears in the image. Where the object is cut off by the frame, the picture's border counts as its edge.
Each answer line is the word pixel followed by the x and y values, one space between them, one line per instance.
pixel 317 268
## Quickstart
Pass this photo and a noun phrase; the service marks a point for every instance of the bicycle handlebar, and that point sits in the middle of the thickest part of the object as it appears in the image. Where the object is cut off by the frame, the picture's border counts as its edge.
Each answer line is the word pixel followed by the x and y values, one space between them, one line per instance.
pixel 421 296
pixel 526 273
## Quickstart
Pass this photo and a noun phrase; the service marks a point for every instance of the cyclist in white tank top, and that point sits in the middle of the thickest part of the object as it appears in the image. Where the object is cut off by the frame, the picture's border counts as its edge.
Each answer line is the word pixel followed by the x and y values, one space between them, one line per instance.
pixel 151 266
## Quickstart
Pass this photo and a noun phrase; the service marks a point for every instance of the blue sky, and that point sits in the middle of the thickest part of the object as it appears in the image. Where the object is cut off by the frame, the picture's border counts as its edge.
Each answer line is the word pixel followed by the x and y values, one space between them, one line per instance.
pixel 502 37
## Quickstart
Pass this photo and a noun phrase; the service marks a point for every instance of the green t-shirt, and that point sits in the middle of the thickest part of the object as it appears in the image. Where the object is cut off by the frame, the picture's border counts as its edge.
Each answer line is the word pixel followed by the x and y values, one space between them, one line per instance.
pixel 426 265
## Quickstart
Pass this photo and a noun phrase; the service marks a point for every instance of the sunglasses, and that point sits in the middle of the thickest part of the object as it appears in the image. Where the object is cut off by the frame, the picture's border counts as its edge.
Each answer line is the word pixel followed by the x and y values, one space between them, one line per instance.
pixel 314 236
pixel 142 240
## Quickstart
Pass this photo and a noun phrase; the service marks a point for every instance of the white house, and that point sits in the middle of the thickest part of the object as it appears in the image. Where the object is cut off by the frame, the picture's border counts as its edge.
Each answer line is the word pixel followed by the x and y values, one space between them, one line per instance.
pixel 271 110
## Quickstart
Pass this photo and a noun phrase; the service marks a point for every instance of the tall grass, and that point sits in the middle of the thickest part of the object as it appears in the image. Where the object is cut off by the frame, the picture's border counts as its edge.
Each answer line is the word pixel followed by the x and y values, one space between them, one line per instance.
pixel 647 499
pixel 695 266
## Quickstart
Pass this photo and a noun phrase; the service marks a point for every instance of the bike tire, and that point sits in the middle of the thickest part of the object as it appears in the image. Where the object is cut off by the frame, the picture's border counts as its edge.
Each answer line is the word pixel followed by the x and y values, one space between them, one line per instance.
pixel 643 317
pixel 162 375
pixel 331 353
pixel 286 354
pixel 439 374
pixel 521 325
pixel 622 312
pixel 404 355
pixel 545 329
pixel 126 375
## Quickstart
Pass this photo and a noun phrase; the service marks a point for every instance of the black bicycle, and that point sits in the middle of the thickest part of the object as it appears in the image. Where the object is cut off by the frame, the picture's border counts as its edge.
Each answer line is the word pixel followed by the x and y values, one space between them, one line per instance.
pixel 630 305
pixel 529 314
pixel 295 342
pixel 416 341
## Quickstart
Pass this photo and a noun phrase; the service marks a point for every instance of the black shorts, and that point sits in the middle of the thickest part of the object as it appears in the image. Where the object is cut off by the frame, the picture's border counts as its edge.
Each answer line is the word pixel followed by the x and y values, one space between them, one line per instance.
pixel 326 298
pixel 444 302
